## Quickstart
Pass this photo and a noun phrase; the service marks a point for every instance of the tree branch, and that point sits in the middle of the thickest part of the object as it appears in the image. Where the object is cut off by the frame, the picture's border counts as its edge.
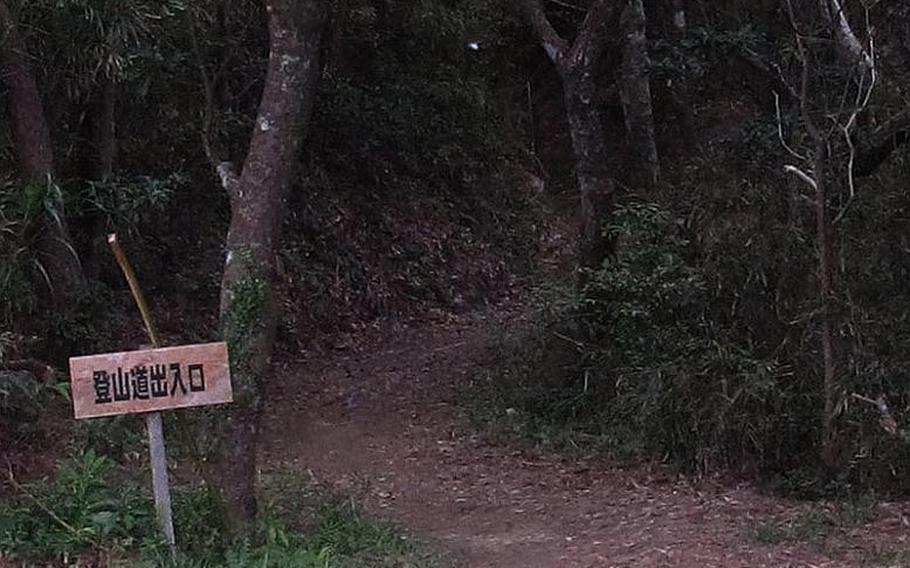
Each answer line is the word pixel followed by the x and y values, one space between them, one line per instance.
pixel 803 98
pixel 770 70
pixel 567 5
pixel 849 46
pixel 590 40
pixel 226 170
pixel 863 96
pixel 227 173
pixel 555 46
pixel 780 131
pixel 791 169
pixel 872 153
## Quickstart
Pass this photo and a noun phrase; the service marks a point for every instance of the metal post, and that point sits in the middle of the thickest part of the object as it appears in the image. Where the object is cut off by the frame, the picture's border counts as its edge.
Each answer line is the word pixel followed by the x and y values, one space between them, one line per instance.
pixel 160 486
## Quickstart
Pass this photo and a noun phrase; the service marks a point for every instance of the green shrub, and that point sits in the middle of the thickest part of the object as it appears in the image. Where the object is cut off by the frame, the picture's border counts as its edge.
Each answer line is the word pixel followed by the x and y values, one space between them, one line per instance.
pixel 200 523
pixel 88 505
pixel 343 530
pixel 28 406
pixel 21 210
pixel 639 363
pixel 707 352
pixel 84 324
pixel 21 398
pixel 127 204
pixel 818 523
pixel 93 506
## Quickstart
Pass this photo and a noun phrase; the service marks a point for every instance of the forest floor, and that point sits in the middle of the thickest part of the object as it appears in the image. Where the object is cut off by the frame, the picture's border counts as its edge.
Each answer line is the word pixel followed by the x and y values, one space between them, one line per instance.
pixel 386 422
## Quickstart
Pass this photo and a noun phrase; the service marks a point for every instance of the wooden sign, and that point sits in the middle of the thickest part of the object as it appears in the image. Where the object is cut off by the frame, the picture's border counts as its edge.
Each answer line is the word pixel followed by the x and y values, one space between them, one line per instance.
pixel 150 380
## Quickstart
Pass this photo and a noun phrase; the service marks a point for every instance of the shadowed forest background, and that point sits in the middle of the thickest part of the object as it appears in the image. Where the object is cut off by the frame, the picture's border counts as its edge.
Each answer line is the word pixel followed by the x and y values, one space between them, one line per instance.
pixel 701 208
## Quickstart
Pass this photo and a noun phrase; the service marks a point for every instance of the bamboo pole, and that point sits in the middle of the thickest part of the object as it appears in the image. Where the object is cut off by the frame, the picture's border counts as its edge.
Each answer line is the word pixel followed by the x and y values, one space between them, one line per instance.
pixel 133 282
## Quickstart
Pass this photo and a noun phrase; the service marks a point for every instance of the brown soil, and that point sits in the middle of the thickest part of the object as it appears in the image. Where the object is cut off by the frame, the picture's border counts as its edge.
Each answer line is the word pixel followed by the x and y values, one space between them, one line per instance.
pixel 386 421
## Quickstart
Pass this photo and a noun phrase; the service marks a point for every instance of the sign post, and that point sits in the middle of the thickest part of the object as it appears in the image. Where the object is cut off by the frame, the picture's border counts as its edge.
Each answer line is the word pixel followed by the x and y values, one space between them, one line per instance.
pixel 149 381
pixel 160 486
pixel 161 489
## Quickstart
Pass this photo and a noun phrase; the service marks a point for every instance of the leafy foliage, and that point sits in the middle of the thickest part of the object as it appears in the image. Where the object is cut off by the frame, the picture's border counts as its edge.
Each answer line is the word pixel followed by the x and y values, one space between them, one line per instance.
pixel 20 211
pixel 22 401
pixel 91 40
pixel 128 204
pixel 659 356
pixel 87 504
pixel 92 505
pixel 816 524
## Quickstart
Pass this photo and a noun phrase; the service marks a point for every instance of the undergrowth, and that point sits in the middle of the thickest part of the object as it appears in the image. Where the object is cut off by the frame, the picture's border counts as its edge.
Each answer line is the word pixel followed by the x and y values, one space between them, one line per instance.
pixel 674 352
pixel 888 556
pixel 95 509
pixel 816 524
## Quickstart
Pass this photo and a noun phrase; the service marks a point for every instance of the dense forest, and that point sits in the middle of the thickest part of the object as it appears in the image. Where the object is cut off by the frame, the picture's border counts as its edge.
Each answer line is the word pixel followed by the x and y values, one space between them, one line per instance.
pixel 693 213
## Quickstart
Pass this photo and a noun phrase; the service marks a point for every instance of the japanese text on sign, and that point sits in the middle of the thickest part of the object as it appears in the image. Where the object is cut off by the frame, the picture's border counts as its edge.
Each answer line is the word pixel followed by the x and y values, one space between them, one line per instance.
pixel 143 382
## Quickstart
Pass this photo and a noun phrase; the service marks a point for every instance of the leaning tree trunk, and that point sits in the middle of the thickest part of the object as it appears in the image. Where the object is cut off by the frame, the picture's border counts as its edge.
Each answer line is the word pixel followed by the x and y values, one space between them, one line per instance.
pixel 249 311
pixel 636 93
pixel 34 154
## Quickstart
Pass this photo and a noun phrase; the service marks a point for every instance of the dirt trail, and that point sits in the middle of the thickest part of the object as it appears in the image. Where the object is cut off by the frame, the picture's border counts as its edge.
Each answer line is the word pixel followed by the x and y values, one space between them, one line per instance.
pixel 386 421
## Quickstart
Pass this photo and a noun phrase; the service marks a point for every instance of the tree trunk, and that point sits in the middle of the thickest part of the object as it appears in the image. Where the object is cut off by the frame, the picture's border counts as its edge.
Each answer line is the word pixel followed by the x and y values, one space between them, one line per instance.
pixel 101 131
pixel 827 291
pixel 679 89
pixel 34 153
pixel 577 64
pixel 636 93
pixel 680 21
pixel 249 311
pixel 103 120
pixel 821 175
pixel 589 150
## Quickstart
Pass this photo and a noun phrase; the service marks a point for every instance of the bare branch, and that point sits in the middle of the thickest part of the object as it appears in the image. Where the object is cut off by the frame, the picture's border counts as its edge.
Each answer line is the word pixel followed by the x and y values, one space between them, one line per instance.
pixel 227 172
pixel 873 152
pixel 50 513
pixel 862 101
pixel 849 46
pixel 886 420
pixel 769 69
pixel 567 5
pixel 803 56
pixel 790 169
pixel 208 91
pixel 780 130
pixel 862 98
